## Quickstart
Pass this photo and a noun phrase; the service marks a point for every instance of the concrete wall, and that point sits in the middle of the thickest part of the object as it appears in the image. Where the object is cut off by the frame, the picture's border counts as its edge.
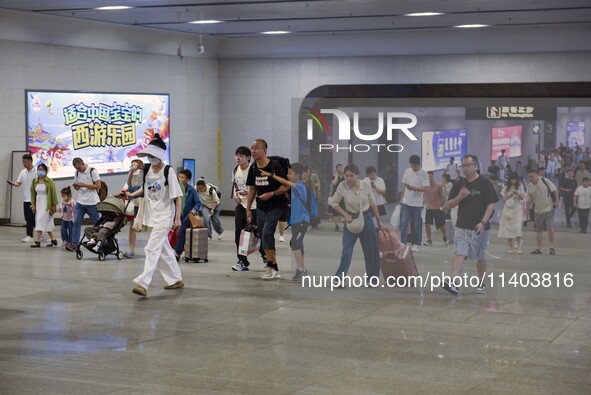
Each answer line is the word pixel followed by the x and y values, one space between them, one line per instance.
pixel 191 82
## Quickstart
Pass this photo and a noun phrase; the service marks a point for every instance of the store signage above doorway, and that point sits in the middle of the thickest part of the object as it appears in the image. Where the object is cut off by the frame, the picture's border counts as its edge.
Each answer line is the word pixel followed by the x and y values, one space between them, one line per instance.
pixel 509 112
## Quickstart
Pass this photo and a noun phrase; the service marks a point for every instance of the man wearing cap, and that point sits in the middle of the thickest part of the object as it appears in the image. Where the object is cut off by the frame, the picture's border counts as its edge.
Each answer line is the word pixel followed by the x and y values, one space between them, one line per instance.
pixel 162 210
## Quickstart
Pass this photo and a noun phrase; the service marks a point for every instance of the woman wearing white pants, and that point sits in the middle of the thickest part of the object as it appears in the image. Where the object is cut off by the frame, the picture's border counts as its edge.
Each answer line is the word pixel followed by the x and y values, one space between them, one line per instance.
pixel 162 209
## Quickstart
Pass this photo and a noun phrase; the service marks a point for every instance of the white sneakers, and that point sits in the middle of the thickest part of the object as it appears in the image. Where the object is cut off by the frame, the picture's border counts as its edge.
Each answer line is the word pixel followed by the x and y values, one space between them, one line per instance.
pixel 281 239
pixel 27 239
pixel 415 248
pixel 271 274
pixel 220 236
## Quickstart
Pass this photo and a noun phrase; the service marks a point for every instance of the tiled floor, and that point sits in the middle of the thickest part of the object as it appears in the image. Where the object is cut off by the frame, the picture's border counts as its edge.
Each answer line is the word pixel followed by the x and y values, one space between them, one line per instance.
pixel 74 327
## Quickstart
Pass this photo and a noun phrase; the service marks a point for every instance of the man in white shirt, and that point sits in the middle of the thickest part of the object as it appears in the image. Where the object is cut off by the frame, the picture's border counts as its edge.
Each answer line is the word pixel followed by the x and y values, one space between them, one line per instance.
pixel 87 183
pixel 240 195
pixel 162 210
pixel 581 173
pixel 502 162
pixel 378 187
pixel 25 178
pixel 414 182
pixel 452 170
pixel 582 201
pixel 542 192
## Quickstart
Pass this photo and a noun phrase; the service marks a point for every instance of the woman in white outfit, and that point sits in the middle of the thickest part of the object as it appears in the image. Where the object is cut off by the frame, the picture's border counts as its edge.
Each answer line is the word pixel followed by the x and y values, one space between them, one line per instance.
pixel 511 225
pixel 44 205
pixel 162 210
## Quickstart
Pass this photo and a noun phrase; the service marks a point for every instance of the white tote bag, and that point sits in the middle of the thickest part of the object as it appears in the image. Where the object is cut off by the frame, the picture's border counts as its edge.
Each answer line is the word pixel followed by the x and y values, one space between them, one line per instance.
pixel 395 219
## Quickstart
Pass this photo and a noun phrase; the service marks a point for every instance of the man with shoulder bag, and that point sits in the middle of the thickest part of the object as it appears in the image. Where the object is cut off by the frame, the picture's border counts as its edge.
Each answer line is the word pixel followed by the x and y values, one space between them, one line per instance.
pixel 542 192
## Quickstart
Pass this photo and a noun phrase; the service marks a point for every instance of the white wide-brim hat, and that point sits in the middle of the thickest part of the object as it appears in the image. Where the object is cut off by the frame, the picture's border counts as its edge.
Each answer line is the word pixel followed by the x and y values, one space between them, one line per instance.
pixel 156 152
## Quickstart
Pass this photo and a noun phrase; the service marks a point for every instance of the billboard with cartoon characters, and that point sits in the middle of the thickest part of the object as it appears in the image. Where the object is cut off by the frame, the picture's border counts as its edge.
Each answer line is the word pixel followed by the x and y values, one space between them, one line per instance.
pixel 106 130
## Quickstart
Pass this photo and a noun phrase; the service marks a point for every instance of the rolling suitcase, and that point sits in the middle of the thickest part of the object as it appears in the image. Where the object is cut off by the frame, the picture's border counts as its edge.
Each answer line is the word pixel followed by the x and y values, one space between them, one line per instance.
pixel 196 244
pixel 400 263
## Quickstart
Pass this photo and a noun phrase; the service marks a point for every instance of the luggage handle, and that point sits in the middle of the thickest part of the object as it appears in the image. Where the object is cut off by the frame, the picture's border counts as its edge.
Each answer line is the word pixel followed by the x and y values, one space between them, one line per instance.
pixel 191 244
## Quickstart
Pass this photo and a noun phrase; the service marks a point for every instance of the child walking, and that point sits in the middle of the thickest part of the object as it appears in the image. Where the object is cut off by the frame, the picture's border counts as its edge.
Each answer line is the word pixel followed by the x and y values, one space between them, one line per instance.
pixel 68 209
pixel 299 218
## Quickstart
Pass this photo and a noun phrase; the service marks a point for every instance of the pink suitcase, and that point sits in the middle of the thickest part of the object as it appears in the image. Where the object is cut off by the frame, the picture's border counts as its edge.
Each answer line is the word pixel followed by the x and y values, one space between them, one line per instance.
pixel 399 264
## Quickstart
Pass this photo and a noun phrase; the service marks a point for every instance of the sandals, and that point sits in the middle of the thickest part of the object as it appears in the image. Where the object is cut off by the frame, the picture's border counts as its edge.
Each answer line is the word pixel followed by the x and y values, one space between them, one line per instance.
pixel 538 252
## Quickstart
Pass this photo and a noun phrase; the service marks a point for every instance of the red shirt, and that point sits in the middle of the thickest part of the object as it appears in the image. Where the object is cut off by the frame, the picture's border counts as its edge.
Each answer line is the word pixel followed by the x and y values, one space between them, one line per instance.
pixel 434 196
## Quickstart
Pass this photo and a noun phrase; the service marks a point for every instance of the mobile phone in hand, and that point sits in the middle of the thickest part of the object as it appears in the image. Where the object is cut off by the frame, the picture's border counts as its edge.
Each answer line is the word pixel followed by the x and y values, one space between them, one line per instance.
pixel 11 182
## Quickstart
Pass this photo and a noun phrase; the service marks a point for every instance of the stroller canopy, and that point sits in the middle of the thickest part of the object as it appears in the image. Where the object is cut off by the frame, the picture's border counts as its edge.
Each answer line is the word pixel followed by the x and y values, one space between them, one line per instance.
pixel 111 204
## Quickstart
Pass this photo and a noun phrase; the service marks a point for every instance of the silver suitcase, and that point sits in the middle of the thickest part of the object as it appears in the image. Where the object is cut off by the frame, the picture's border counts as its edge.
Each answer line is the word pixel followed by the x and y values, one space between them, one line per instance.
pixel 196 245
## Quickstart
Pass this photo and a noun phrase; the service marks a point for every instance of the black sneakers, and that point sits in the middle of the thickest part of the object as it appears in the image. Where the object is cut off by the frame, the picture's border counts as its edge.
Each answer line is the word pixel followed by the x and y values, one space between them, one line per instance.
pixel 452 289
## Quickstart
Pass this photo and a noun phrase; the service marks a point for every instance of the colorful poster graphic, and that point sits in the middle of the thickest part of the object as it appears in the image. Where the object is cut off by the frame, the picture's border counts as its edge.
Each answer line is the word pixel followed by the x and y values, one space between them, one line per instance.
pixel 439 146
pixel 575 134
pixel 508 138
pixel 106 130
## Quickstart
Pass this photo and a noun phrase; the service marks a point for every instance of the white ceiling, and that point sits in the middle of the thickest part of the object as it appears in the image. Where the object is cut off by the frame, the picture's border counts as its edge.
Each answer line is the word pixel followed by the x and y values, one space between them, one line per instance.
pixel 242 18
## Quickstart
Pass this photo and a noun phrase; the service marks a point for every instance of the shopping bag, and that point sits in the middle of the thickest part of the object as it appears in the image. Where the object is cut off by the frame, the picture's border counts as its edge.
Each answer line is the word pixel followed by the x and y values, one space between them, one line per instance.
pixel 139 218
pixel 395 219
pixel 249 243
pixel 196 221
pixel 129 209
pixel 173 237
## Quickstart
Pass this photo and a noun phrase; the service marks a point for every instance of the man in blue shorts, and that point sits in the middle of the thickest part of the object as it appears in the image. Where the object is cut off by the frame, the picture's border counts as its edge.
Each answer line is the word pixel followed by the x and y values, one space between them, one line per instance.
pixel 476 197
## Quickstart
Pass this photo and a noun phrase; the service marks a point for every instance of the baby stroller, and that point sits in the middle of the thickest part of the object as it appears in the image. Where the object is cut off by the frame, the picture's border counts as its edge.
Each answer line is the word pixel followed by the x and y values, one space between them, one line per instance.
pixel 109 209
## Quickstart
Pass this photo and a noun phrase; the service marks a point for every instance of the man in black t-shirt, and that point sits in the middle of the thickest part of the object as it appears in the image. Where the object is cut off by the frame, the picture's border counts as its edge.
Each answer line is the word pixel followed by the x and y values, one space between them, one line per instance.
pixel 476 197
pixel 271 201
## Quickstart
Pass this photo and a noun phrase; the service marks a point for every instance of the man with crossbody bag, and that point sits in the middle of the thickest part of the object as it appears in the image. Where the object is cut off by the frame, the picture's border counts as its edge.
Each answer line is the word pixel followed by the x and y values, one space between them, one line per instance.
pixel 87 182
pixel 544 194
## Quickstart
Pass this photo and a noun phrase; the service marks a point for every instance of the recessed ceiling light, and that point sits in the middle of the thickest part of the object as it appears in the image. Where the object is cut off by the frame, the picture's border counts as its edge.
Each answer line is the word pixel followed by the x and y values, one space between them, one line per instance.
pixel 424 14
pixel 474 25
pixel 276 32
pixel 206 22
pixel 113 7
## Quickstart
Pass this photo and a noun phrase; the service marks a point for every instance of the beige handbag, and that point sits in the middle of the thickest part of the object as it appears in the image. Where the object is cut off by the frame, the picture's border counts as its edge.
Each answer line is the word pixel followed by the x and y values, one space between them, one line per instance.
pixel 139 218
pixel 196 221
pixel 356 226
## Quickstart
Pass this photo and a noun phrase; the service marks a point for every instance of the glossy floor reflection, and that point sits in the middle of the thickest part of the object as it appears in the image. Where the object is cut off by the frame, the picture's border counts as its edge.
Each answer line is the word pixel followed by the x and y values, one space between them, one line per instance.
pixel 73 327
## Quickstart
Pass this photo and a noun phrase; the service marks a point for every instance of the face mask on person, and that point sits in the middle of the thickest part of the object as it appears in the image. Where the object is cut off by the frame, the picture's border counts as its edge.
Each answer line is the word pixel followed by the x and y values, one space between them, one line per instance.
pixel 41 173
pixel 154 161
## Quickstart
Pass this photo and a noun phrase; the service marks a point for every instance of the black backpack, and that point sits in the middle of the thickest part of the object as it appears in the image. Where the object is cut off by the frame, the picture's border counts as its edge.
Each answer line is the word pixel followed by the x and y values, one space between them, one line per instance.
pixel 147 167
pixel 275 162
pixel 213 188
pixel 279 161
